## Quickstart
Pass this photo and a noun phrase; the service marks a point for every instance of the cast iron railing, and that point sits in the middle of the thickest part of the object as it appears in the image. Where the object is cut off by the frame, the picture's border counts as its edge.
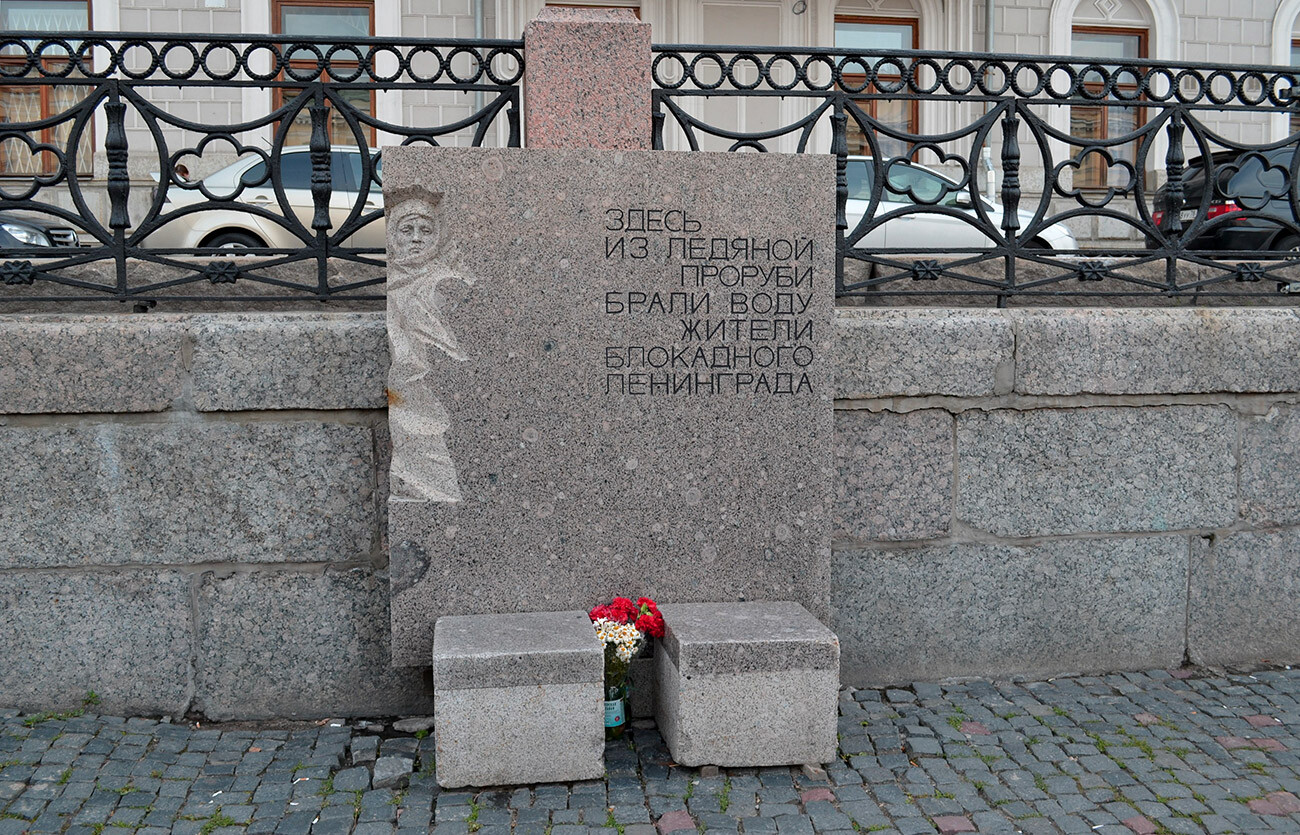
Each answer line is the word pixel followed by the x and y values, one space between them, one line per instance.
pixel 322 239
pixel 146 223
pixel 1014 111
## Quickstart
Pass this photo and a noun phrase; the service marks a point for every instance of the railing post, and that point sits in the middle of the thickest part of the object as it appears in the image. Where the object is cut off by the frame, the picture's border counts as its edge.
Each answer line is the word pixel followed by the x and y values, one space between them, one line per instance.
pixel 1174 161
pixel 577 96
pixel 1010 191
pixel 319 146
pixel 119 180
pixel 840 148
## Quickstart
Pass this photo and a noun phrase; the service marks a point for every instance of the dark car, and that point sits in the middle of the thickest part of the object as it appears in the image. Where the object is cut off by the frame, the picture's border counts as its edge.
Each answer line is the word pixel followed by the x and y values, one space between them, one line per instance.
pixel 27 231
pixel 1249 207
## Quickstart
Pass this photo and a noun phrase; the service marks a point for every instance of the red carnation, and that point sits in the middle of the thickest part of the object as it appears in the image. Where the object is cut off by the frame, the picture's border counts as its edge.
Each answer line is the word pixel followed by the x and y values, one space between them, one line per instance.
pixel 651 624
pixel 624 610
pixel 647 605
pixel 600 612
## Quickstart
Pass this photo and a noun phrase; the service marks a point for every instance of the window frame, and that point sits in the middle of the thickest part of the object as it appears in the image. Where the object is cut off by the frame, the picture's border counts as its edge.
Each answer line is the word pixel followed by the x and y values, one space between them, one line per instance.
pixel 45 91
pixel 871 105
pixel 278 96
pixel 1139 112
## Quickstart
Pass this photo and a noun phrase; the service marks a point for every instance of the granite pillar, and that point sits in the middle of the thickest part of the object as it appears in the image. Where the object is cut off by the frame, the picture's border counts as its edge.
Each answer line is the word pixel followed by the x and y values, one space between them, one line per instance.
pixel 588 79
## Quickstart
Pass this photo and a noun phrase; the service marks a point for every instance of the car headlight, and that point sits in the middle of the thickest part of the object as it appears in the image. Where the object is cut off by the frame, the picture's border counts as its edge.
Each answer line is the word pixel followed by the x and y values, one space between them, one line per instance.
pixel 26 234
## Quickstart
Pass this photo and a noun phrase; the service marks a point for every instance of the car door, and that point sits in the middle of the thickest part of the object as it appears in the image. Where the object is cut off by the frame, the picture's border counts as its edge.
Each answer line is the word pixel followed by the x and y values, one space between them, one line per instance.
pixel 372 234
pixel 295 177
pixel 921 189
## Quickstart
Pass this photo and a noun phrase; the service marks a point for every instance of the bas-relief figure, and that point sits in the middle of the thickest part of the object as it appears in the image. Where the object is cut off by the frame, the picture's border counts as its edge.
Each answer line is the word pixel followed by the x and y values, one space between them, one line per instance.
pixel 420 260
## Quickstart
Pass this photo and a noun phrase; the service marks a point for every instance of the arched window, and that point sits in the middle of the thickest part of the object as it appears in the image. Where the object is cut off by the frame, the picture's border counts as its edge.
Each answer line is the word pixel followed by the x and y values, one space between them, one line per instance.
pixel 345 19
pixel 33 103
pixel 1113 34
pixel 893 27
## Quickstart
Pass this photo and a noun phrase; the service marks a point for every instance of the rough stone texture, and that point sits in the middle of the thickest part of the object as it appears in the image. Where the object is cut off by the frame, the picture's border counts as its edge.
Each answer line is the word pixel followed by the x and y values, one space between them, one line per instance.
pixel 76 364
pixel 519 698
pixel 893 353
pixel 1145 351
pixel 1066 471
pixel 990 610
pixel 512 735
pixel 288 644
pixel 724 638
pixel 748 718
pixel 580 97
pixel 289 361
pixel 893 474
pixel 1244 595
pixel 391 772
pixel 1270 467
pixel 505 650
pixel 536 477
pixel 125 636
pixel 107 494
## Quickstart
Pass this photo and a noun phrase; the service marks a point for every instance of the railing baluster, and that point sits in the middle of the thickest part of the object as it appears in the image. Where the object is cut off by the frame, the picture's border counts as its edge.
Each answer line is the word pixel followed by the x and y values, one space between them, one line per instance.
pixel 119 181
pixel 319 146
pixel 1010 192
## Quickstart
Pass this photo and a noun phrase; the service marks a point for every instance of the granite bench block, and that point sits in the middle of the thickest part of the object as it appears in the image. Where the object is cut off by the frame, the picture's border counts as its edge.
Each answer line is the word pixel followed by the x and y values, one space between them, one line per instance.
pixel 520 699
pixel 747 684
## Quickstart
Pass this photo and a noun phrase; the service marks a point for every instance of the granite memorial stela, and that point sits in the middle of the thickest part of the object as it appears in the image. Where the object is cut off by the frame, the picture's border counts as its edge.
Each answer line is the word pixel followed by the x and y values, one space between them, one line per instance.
pixel 610 375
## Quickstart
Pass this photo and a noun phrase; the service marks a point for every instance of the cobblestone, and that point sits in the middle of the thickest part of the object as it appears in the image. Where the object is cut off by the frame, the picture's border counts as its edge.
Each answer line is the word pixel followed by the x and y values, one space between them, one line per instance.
pixel 1153 752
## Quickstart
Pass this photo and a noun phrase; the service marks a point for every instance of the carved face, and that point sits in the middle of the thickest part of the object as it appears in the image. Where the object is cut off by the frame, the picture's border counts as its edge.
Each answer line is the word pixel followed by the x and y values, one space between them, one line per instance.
pixel 415 235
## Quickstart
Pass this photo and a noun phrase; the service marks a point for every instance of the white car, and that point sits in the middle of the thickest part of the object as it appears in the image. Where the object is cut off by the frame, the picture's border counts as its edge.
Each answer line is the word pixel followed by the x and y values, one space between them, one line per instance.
pixel 918 224
pixel 247 182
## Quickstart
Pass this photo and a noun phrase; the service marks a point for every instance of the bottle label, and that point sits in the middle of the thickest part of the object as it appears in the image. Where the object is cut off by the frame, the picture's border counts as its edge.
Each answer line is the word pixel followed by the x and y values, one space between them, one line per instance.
pixel 614 713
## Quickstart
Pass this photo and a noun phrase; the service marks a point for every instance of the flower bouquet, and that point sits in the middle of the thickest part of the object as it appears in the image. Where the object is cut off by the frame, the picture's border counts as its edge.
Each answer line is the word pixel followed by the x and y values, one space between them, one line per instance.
pixel 622 627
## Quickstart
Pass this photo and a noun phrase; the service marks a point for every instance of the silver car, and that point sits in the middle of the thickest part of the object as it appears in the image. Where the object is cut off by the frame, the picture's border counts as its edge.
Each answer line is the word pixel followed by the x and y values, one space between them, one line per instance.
pixel 912 191
pixel 248 182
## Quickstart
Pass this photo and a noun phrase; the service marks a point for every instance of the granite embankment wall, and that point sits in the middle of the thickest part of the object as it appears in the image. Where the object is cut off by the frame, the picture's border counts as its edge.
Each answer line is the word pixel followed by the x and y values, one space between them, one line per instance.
pixel 192 513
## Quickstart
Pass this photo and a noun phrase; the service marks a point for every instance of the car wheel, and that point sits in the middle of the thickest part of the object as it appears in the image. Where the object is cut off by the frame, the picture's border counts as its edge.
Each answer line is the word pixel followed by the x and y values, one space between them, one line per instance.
pixel 1290 244
pixel 1038 244
pixel 233 239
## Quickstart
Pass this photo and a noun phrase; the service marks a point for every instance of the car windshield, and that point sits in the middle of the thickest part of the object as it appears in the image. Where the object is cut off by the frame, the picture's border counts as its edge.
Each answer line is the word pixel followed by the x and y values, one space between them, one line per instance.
pixel 907 184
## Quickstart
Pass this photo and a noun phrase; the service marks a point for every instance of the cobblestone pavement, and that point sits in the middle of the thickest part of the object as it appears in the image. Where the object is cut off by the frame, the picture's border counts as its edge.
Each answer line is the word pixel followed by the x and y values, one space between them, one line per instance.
pixel 1134 752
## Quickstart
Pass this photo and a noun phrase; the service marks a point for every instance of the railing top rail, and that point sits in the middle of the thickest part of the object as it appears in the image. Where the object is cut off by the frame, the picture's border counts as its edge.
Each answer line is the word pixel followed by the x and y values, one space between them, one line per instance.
pixel 19 38
pixel 981 57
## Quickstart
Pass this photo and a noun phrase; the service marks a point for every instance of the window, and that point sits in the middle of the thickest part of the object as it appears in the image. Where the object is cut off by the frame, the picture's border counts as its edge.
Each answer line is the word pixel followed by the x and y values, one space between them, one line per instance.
pixel 1123 47
pixel 1295 62
pixel 879 33
pixel 345 20
pixel 30 104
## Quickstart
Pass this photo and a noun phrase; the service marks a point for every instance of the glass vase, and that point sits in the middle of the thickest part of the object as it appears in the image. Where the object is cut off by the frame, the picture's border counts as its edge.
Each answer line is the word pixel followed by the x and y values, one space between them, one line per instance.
pixel 615 710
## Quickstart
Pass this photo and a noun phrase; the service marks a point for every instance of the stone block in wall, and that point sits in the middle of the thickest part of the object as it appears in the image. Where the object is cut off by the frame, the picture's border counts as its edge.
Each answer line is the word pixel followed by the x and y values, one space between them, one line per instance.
pixel 289 361
pixel 186 493
pixel 1156 351
pixel 992 610
pixel 282 643
pixel 1062 471
pixel 78 364
pixel 125 635
pixel 893 353
pixel 893 474
pixel 1243 598
pixel 1270 467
